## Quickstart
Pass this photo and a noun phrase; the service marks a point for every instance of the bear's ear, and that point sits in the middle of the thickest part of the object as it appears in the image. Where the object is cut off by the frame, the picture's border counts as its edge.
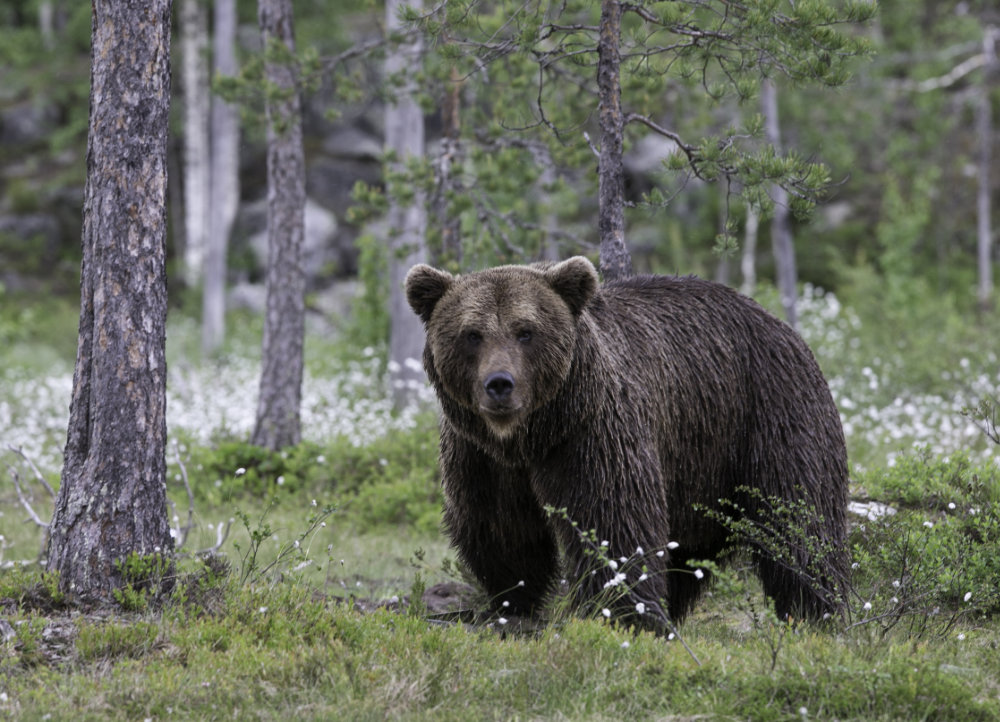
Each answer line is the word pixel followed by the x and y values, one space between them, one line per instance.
pixel 575 280
pixel 424 288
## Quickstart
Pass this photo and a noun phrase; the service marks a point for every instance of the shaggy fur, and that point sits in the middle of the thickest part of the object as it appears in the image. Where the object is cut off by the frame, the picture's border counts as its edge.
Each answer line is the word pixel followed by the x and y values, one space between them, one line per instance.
pixel 635 406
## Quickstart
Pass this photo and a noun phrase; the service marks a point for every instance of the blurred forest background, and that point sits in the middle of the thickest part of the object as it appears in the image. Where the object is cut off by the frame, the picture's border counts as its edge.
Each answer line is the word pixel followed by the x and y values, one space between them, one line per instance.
pixel 850 190
pixel 906 143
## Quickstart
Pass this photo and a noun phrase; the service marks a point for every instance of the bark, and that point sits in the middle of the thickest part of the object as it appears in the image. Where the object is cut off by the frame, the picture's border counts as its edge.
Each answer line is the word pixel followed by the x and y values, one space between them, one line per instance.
pixel 224 191
pixel 781 231
pixel 46 23
pixel 280 397
pixel 194 74
pixel 448 171
pixel 748 262
pixel 112 499
pixel 550 223
pixel 984 132
pixel 615 260
pixel 404 139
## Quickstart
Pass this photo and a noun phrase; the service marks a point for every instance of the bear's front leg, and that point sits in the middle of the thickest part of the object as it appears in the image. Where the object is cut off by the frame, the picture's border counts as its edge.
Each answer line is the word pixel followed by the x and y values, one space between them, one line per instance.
pixel 497 526
pixel 614 529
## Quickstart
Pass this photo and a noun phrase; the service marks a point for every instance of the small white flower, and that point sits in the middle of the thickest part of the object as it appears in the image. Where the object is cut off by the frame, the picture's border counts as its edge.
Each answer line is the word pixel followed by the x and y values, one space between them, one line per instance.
pixel 281 480
pixel 241 471
pixel 968 596
pixel 613 564
pixel 803 711
pixel 672 545
pixel 615 580
pixel 640 608
pixel 320 459
pixel 505 604
pixel 502 621
pixel 895 583
pixel 639 551
pixel 660 554
pixel 868 606
pixel 262 610
pixel 854 565
pixel 623 559
pixel 520 583
pixel 295 544
pixel 313 503
pixel 643 577
pixel 929 525
pixel 894 600
pixel 961 637
pixel 394 599
pixel 604 543
pixel 606 612
pixel 670 636
pixel 951 505
pixel 625 644
pixel 699 574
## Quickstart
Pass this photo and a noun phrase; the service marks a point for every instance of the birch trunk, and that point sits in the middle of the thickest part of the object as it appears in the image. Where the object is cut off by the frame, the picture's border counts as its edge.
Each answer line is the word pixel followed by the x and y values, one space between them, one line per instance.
pixel 112 499
pixel 748 261
pixel 404 140
pixel 280 397
pixel 984 131
pixel 781 231
pixel 224 190
pixel 193 23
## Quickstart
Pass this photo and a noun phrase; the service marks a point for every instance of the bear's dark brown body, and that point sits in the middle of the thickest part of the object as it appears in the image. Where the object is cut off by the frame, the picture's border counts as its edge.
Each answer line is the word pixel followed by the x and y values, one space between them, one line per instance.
pixel 633 406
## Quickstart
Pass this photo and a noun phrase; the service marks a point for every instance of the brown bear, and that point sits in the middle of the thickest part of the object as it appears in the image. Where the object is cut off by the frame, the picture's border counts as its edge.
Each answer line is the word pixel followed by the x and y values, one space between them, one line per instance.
pixel 637 410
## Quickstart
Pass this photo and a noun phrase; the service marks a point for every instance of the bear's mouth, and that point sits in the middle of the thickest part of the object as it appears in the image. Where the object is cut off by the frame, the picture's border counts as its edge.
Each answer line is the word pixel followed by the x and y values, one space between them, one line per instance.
pixel 500 414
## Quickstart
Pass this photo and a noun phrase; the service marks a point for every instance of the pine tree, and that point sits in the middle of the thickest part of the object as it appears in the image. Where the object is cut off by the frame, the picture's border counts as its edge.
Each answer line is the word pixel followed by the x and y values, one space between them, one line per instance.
pixel 112 500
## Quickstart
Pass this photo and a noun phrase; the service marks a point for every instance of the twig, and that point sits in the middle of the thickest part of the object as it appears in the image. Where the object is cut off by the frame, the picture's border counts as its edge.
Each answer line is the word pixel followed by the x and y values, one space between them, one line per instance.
pixel 23 499
pixel 183 531
pixel 38 474
pixel 220 537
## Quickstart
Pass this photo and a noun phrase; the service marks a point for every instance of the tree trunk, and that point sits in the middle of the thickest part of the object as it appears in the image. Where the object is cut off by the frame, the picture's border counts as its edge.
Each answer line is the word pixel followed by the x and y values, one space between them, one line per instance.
pixel 984 131
pixel 449 168
pixel 404 140
pixel 193 24
pixel 615 260
pixel 112 499
pixel 748 262
pixel 550 222
pixel 224 191
pixel 781 231
pixel 284 324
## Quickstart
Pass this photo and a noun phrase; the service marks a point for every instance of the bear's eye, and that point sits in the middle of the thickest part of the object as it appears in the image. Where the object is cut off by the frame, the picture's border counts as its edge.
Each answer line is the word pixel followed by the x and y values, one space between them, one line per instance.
pixel 473 337
pixel 524 336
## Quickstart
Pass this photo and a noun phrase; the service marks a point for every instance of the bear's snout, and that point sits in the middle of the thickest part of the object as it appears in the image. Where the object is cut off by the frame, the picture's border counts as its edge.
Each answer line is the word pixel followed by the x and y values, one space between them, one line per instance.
pixel 499 385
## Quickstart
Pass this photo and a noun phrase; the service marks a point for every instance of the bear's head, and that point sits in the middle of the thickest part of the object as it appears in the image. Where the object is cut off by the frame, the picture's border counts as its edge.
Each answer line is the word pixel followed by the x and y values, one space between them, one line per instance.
pixel 500 342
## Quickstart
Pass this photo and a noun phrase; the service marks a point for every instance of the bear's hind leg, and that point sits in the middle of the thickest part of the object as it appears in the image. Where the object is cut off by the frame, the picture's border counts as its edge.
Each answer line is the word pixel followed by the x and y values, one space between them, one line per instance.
pixel 799 594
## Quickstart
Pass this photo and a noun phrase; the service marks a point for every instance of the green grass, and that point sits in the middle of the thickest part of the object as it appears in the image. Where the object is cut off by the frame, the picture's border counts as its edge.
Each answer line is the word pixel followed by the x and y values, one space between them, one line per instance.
pixel 277 653
pixel 288 642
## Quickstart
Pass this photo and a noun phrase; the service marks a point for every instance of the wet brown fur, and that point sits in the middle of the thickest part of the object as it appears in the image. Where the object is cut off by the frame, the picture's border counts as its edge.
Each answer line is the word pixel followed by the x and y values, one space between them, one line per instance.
pixel 632 402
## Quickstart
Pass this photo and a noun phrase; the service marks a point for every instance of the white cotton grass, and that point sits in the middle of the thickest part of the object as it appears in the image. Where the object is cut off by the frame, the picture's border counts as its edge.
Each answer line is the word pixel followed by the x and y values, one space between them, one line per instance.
pixel 210 400
pixel 352 399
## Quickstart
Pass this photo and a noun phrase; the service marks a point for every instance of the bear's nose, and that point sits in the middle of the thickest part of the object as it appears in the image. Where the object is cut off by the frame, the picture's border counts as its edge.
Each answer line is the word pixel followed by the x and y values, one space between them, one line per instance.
pixel 499 385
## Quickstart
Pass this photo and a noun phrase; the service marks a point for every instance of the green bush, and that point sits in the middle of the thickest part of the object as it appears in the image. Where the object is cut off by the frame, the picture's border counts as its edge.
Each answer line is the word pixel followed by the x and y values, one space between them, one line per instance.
pixel 393 480
pixel 936 559
pixel 934 483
